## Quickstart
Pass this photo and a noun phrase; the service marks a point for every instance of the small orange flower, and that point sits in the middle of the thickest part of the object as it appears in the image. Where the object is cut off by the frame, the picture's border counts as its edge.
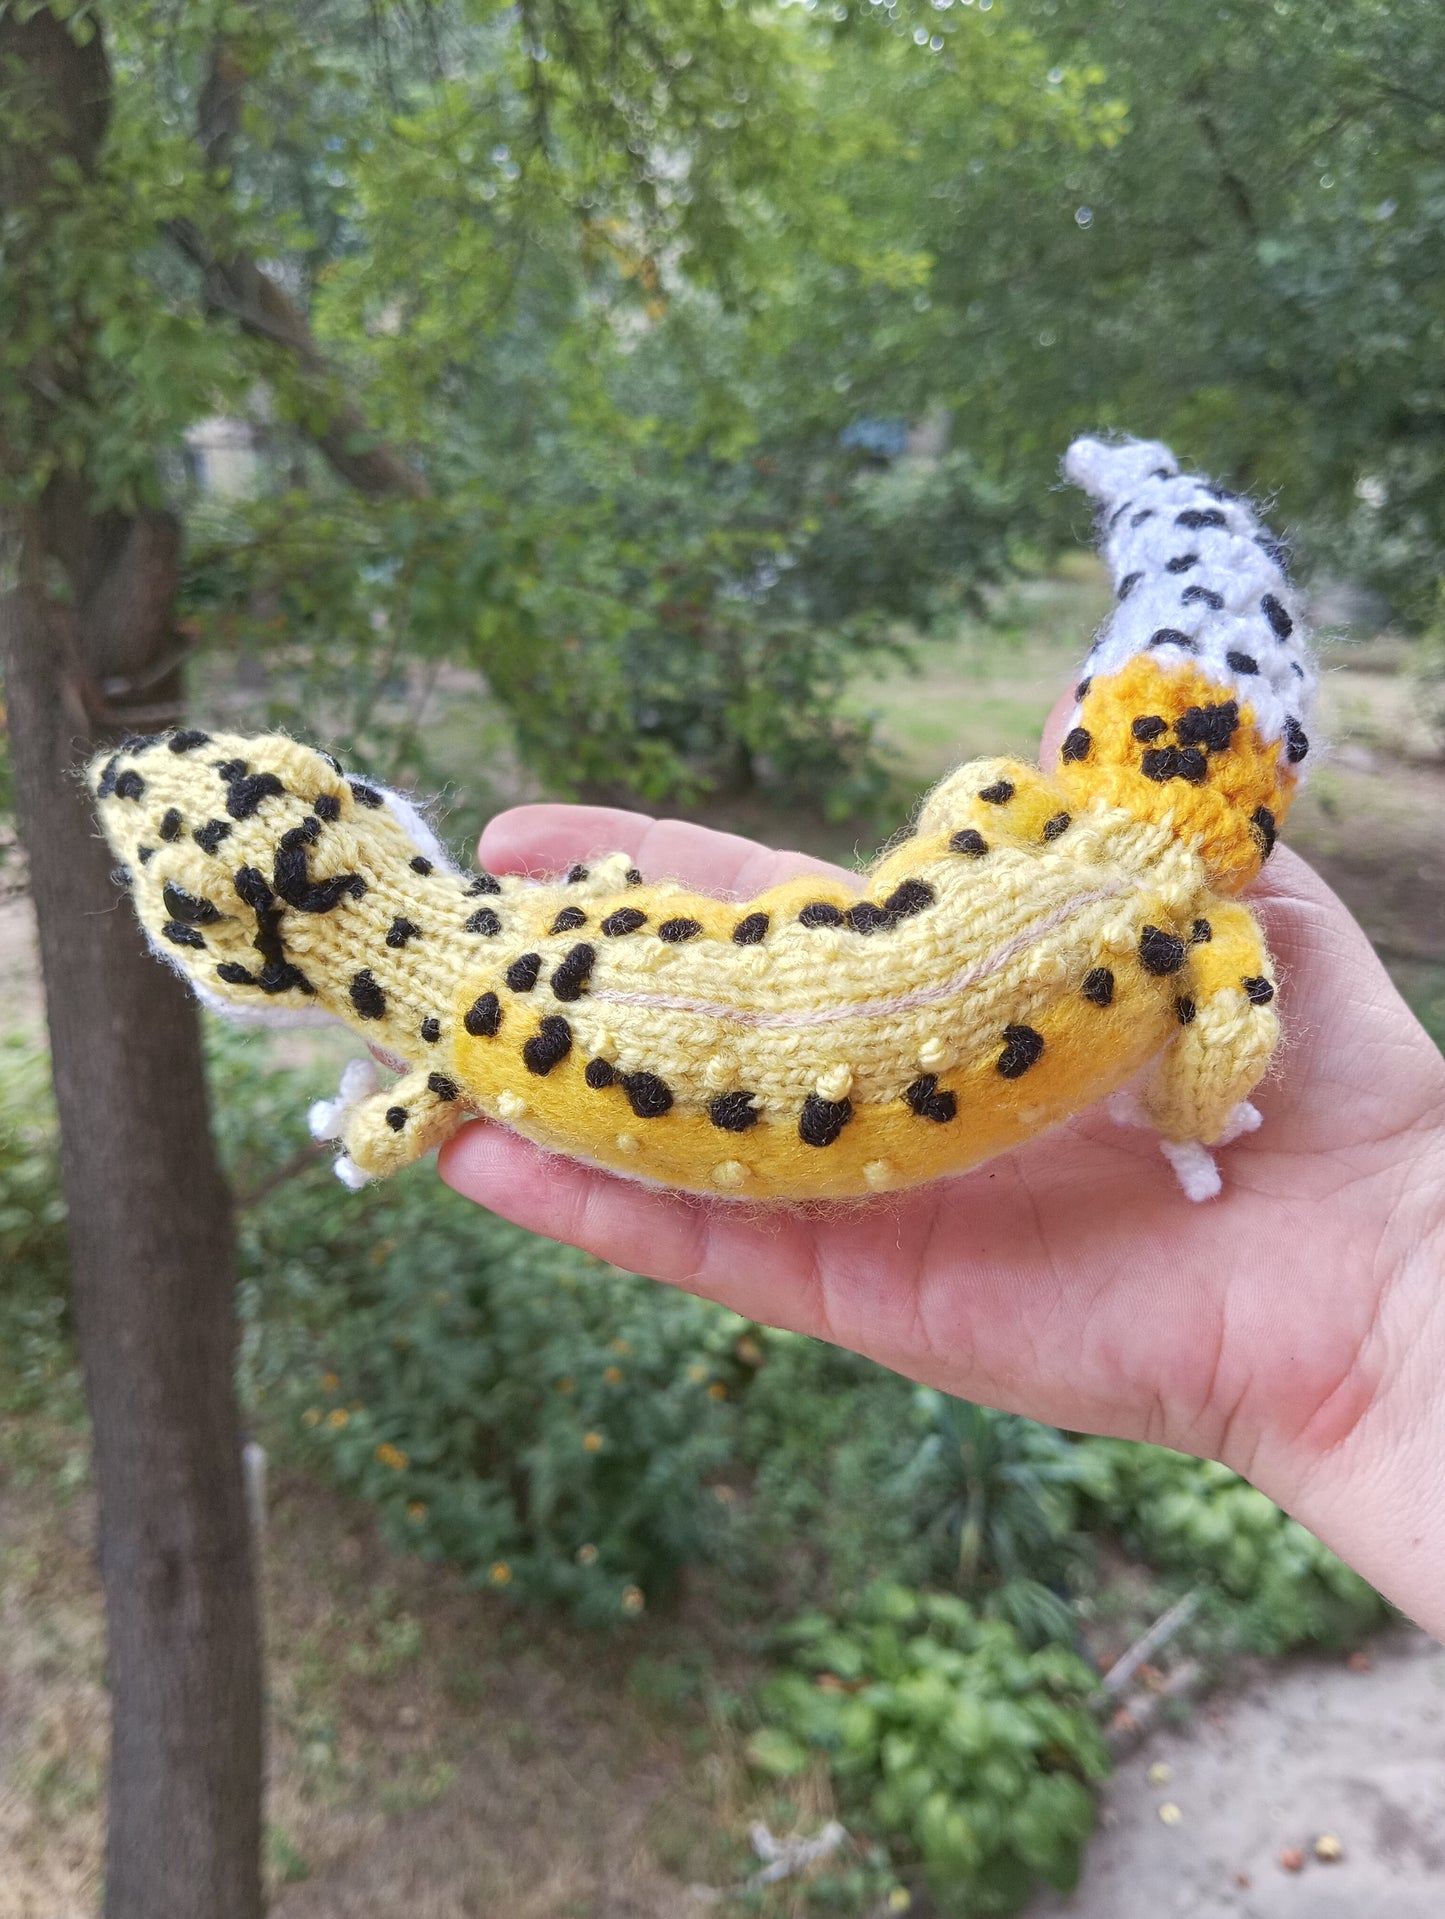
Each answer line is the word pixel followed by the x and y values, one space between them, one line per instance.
pixel 697 1374
pixel 329 1382
pixel 725 1495
pixel 567 1384
pixel 621 1346
pixel 586 1555
pixel 613 1376
pixel 311 1416
pixel 392 1456
pixel 633 1599
pixel 338 1417
pixel 592 1442
pixel 501 1573
pixel 717 1390
pixel 416 1511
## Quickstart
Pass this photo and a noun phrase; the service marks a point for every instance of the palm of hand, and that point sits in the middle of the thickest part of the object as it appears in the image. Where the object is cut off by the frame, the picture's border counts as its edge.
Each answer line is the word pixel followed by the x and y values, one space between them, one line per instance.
pixel 1071 1280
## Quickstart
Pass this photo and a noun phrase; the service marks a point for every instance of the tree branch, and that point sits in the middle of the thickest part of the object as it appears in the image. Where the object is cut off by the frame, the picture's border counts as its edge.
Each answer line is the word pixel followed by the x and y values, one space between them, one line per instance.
pixel 263 308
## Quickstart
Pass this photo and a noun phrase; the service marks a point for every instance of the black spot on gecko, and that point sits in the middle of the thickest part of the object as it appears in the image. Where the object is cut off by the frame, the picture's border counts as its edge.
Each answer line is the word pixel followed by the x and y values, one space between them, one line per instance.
pixel 1258 992
pixel 627 919
pixel 678 930
pixel 483 1018
pixel 1022 1048
pixel 548 1047
pixel 181 935
pixel 188 740
pixel 326 806
pixel 1262 827
pixel 1201 933
pixel 1171 636
pixel 1098 986
pixel 598 1074
pixel 1195 517
pixel 171 824
pixel 576 873
pixel 750 931
pixel 400 931
pixel 969 842
pixel 129 785
pixel 999 794
pixel 1185 1009
pixel 1160 953
pixel 421 864
pixel 483 921
pixel 822 1120
pixel 209 836
pixel 365 795
pixel 1296 741
pixel 444 1088
pixel 396 1117
pixel 483 883
pixel 1197 595
pixel 1274 611
pixel 1212 727
pixel 1241 662
pixel 821 913
pixel 925 1100
pixel 571 974
pixel 733 1112
pixel 1060 823
pixel 1149 726
pixel 521 975
pixel 648 1096
pixel 366 996
pixel 568 920
pixel 1076 744
pixel 431 1030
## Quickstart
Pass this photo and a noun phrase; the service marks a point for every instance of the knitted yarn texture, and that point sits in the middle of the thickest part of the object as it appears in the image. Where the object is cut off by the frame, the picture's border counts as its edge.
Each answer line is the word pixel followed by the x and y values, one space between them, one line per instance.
pixel 1039 942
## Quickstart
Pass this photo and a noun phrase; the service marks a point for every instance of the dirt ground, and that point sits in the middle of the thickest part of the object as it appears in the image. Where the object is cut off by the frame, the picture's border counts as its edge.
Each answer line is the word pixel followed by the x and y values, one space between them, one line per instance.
pixel 1306 1751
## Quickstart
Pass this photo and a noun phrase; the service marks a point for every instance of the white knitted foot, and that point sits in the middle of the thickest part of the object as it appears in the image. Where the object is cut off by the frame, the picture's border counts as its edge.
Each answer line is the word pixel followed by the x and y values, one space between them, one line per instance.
pixel 327 1117
pixel 1244 1119
pixel 1194 1167
pixel 350 1174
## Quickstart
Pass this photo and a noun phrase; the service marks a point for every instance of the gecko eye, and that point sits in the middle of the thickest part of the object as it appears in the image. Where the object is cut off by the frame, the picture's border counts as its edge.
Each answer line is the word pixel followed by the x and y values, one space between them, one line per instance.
pixel 187 908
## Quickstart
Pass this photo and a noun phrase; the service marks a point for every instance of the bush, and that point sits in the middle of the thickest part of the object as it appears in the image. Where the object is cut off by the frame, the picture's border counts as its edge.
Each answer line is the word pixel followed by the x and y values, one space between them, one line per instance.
pixel 544 1421
pixel 36 1367
pixel 1196 1517
pixel 969 1755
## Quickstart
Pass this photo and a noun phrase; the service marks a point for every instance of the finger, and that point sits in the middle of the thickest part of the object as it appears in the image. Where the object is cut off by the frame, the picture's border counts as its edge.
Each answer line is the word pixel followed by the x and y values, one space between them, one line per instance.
pixel 548 838
pixel 1055 726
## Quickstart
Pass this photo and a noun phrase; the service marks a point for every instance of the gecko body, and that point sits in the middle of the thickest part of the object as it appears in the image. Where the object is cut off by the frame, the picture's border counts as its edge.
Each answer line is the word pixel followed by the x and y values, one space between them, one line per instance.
pixel 1038 941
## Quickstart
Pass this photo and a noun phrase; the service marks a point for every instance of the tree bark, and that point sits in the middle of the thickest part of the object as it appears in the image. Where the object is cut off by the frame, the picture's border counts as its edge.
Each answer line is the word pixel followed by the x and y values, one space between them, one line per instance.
pixel 90 615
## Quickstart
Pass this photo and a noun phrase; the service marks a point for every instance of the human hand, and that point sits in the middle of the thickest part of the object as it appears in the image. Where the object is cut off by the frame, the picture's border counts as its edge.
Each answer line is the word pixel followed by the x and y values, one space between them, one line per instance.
pixel 1292 1327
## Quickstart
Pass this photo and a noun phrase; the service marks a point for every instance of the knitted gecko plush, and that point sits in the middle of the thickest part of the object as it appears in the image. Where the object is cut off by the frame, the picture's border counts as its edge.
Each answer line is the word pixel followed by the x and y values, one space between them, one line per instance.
pixel 1039 941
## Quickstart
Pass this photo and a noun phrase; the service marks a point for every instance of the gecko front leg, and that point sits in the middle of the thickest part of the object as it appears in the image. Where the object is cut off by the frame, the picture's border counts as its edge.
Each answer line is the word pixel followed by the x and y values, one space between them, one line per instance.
pixel 1199 1093
pixel 381 1131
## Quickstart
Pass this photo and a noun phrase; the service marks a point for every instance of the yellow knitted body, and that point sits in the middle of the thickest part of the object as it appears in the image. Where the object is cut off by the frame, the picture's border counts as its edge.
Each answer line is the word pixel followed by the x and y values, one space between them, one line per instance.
pixel 1035 944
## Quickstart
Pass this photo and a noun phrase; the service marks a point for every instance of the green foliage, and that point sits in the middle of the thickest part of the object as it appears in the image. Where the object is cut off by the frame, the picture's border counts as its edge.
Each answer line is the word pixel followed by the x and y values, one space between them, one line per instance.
pixel 524 1411
pixel 36 1372
pixel 1196 1517
pixel 969 1754
pixel 999 1497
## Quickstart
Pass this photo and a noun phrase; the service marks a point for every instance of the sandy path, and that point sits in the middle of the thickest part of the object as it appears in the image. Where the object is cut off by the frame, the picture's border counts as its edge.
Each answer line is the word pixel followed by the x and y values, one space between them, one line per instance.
pixel 1307 1749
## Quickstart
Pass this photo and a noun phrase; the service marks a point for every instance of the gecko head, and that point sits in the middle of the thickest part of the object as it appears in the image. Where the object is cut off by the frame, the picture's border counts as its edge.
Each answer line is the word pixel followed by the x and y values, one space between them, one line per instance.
pixel 1175 747
pixel 216 837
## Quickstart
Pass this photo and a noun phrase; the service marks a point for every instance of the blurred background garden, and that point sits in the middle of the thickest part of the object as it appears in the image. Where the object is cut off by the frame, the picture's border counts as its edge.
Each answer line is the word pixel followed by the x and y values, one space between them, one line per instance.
pixel 661 402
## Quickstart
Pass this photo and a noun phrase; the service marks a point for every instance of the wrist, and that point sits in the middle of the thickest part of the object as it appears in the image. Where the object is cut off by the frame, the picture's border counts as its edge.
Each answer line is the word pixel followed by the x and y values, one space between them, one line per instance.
pixel 1366 1473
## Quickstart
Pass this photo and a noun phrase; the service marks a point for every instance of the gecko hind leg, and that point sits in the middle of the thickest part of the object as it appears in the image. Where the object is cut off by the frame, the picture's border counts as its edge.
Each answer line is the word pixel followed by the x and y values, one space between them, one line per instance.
pixel 381 1131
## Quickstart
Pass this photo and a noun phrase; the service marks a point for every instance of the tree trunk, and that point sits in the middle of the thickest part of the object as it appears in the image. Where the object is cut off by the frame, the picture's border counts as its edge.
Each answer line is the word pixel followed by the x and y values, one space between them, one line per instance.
pixel 149 1215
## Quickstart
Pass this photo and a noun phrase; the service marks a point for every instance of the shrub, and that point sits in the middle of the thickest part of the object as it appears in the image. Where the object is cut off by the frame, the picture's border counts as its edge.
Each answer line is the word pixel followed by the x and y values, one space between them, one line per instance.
pixel 544 1421
pixel 1196 1517
pixel 945 1736
pixel 36 1367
